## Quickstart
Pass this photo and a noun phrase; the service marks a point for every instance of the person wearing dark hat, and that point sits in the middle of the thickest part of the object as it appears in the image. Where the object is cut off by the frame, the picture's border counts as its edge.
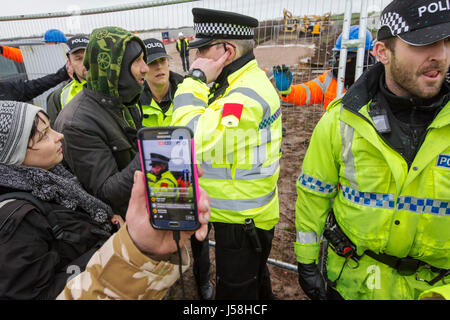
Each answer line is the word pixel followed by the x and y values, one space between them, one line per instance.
pixel 182 46
pixel 100 123
pixel 55 239
pixel 382 153
pixel 61 97
pixel 160 87
pixel 159 175
pixel 234 111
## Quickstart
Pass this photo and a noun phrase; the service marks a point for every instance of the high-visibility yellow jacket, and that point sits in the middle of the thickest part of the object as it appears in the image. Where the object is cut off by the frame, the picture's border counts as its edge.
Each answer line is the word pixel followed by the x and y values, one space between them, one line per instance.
pixel 237 141
pixel 183 45
pixel 441 292
pixel 321 89
pixel 153 115
pixel 70 91
pixel 167 180
pixel 379 203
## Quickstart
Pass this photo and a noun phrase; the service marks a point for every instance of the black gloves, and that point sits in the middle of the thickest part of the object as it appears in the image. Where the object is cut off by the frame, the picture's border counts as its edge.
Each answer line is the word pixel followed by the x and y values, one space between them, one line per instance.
pixel 311 281
pixel 1 50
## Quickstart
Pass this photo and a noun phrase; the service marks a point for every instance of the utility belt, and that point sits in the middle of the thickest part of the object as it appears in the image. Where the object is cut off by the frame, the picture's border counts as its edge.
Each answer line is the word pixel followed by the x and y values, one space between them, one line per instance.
pixel 343 247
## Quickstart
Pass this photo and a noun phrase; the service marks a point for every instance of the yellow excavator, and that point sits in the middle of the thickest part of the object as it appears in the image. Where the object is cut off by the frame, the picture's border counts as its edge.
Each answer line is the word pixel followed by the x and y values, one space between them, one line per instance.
pixel 309 25
pixel 290 23
pixel 314 25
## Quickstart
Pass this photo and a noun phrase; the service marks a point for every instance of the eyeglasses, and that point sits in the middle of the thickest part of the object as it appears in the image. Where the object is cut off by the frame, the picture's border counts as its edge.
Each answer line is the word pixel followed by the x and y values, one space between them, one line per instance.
pixel 203 49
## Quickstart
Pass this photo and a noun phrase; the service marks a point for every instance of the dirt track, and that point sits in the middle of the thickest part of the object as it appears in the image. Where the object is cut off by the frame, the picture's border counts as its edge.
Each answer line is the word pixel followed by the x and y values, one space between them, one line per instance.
pixel 299 122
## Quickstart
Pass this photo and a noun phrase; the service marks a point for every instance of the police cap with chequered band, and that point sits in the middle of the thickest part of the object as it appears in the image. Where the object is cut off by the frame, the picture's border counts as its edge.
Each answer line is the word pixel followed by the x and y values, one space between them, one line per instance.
pixel 417 22
pixel 158 158
pixel 210 25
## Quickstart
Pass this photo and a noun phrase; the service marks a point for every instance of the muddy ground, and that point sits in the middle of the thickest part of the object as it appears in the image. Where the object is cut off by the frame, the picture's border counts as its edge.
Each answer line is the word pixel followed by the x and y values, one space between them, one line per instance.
pixel 299 122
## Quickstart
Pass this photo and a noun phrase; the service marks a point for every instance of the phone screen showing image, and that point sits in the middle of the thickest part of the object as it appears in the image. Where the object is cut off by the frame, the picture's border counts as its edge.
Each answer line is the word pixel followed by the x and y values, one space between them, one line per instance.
pixel 170 179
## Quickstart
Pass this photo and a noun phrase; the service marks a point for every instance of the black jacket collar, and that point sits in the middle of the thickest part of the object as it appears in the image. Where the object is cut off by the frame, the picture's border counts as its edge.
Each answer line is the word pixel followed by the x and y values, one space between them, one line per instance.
pixel 364 89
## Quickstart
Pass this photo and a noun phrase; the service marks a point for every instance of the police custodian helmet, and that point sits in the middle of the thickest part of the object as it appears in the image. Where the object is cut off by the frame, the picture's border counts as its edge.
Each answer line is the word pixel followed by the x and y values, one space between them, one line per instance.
pixel 215 24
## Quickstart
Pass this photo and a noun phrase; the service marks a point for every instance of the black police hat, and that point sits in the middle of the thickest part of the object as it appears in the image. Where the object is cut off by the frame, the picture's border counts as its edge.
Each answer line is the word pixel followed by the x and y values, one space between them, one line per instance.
pixel 77 42
pixel 155 50
pixel 158 158
pixel 417 22
pixel 214 24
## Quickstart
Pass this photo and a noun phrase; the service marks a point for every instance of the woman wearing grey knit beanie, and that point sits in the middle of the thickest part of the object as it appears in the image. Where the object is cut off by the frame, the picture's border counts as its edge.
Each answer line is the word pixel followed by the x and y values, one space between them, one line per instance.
pixel 30 157
pixel 50 227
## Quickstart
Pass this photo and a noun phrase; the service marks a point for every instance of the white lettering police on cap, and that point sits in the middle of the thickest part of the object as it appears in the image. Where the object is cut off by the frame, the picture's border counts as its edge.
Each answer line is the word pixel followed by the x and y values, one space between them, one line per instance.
pixel 434 7
pixel 154 45
pixel 80 41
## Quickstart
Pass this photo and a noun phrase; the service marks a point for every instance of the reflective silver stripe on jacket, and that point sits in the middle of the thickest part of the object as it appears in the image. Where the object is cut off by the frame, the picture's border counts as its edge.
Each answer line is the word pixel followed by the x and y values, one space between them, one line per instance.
pixel 259 152
pixel 65 93
pixel 327 82
pixel 242 204
pixel 258 172
pixel 252 94
pixel 187 99
pixel 347 156
pixel 308 93
pixel 307 237
pixel 193 123
pixel 65 96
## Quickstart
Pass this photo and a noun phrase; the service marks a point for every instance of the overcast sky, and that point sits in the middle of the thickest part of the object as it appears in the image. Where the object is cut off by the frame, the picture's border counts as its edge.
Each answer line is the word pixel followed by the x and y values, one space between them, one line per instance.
pixel 20 7
pixel 11 8
pixel 155 18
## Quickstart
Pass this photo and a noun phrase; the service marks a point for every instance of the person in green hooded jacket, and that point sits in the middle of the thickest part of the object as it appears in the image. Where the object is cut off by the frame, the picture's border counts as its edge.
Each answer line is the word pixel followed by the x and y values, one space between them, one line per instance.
pixel 99 124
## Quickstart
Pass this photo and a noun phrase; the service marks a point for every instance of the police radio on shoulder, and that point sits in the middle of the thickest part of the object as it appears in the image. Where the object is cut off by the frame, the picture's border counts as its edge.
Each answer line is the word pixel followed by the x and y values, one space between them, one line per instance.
pixel 197 74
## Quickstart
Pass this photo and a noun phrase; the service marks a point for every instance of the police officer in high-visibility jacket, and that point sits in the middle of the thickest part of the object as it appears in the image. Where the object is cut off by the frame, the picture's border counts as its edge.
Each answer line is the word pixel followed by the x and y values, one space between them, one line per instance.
pixel 160 86
pixel 159 177
pixel 382 152
pixel 157 107
pixel 182 47
pixel 237 125
pixel 59 98
pixel 323 88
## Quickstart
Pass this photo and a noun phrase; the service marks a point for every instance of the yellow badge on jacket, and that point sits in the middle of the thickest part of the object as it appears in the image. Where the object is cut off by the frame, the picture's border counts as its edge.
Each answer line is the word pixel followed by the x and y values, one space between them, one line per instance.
pixel 231 114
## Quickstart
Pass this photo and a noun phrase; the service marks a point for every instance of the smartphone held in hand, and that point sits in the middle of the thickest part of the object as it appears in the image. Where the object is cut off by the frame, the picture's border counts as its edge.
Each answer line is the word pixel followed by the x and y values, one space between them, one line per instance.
pixel 168 163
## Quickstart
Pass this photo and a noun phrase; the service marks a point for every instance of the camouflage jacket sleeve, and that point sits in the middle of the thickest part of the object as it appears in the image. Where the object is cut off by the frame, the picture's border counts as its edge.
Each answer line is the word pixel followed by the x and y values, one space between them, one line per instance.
pixel 118 270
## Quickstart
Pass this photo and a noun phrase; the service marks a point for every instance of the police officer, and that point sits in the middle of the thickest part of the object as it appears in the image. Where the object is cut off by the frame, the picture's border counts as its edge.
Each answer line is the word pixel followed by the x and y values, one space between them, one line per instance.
pixel 381 152
pixel 160 87
pixel 183 48
pixel 159 174
pixel 61 97
pixel 237 126
pixel 157 108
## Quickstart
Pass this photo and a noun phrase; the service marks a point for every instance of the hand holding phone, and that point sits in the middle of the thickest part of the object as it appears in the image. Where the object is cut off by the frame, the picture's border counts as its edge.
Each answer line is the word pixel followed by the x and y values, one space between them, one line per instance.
pixel 159 242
